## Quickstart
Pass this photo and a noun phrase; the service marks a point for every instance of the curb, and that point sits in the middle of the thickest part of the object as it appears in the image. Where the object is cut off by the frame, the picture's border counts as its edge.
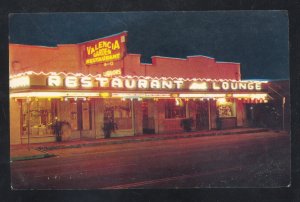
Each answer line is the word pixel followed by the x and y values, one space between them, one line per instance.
pixel 38 156
pixel 217 133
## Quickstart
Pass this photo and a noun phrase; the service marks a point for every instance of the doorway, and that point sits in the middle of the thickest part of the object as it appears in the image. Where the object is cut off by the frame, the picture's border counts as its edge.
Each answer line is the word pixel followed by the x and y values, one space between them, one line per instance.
pixel 202 115
pixel 82 115
pixel 148 118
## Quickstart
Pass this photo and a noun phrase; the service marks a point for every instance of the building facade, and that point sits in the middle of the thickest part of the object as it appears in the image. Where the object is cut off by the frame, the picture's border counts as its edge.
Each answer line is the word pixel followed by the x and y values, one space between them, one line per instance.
pixel 90 84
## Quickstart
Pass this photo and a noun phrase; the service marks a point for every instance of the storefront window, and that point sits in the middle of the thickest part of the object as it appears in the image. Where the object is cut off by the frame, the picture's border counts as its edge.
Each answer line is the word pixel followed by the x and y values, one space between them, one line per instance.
pixel 175 109
pixel 38 115
pixel 225 108
pixel 118 111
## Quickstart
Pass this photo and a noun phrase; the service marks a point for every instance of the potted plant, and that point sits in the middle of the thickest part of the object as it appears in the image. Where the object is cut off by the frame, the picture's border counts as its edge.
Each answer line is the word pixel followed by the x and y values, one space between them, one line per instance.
pixel 218 122
pixel 57 129
pixel 187 124
pixel 108 127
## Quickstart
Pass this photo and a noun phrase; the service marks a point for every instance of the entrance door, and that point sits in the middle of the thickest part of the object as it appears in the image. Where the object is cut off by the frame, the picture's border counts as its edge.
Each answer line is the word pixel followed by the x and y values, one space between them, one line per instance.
pixel 84 119
pixel 148 119
pixel 80 119
pixel 202 115
pixel 108 114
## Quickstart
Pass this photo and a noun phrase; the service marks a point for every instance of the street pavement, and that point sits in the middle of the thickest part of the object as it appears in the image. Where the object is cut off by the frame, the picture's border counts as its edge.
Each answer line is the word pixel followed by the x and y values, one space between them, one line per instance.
pixel 249 160
pixel 43 150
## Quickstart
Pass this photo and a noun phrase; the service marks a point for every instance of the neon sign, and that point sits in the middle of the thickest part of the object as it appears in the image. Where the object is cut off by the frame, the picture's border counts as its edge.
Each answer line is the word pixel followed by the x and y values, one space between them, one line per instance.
pixel 104 50
pixel 198 86
pixel 236 86
pixel 111 73
pixel 81 81
pixel 19 82
pixel 131 83
pixel 103 82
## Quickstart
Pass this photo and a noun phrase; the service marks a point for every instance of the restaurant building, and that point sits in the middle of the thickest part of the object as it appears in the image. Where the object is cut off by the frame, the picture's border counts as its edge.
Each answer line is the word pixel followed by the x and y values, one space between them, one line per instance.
pixel 89 84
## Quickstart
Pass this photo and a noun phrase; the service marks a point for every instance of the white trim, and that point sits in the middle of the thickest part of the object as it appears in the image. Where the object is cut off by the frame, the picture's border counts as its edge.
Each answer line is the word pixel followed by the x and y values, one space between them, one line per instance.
pixel 157 56
pixel 228 62
pixel 192 56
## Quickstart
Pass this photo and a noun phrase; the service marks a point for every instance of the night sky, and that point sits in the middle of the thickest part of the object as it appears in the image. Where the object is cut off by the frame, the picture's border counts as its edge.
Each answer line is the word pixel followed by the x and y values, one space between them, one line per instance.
pixel 256 39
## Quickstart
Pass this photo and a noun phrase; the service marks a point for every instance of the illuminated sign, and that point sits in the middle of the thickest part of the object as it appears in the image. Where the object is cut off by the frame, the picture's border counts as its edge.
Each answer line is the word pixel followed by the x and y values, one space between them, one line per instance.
pixel 132 83
pixel 111 73
pixel 103 82
pixel 78 81
pixel 236 86
pixel 104 50
pixel 19 82
pixel 198 86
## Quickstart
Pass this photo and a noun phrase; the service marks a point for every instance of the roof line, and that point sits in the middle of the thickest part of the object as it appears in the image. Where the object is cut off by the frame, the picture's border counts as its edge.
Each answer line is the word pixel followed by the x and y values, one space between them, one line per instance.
pixel 103 37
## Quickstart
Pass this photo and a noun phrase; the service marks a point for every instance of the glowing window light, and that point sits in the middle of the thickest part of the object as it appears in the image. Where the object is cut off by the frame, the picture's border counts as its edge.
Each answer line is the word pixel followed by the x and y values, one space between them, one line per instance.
pixel 221 101
pixel 54 94
pixel 23 81
pixel 179 102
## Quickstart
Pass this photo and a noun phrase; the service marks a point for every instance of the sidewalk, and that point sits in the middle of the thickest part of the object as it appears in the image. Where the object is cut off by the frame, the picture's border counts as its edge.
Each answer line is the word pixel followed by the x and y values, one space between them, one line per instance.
pixel 23 153
pixel 41 150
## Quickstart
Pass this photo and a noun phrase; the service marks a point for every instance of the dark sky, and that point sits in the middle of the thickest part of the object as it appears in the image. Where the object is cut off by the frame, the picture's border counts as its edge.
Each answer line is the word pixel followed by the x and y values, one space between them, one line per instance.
pixel 256 39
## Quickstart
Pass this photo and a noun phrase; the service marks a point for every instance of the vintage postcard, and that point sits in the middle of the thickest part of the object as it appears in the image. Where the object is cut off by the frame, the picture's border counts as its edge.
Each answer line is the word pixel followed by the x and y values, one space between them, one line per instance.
pixel 149 100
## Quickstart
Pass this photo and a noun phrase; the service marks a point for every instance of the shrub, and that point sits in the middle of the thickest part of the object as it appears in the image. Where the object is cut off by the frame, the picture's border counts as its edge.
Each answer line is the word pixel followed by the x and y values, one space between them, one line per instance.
pixel 57 129
pixel 109 127
pixel 187 124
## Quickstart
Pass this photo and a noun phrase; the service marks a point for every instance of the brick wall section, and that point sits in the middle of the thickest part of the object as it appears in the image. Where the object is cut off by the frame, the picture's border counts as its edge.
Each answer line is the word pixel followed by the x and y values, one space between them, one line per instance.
pixel 15 117
pixel 133 66
pixel 47 59
pixel 67 58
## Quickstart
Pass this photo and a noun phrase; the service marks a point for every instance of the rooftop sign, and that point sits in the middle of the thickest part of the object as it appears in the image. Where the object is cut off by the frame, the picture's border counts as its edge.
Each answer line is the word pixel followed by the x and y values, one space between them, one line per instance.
pixel 104 50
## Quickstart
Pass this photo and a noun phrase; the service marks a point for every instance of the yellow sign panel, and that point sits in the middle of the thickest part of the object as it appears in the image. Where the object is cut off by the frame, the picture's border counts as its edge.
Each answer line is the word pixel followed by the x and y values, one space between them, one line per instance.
pixel 104 50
